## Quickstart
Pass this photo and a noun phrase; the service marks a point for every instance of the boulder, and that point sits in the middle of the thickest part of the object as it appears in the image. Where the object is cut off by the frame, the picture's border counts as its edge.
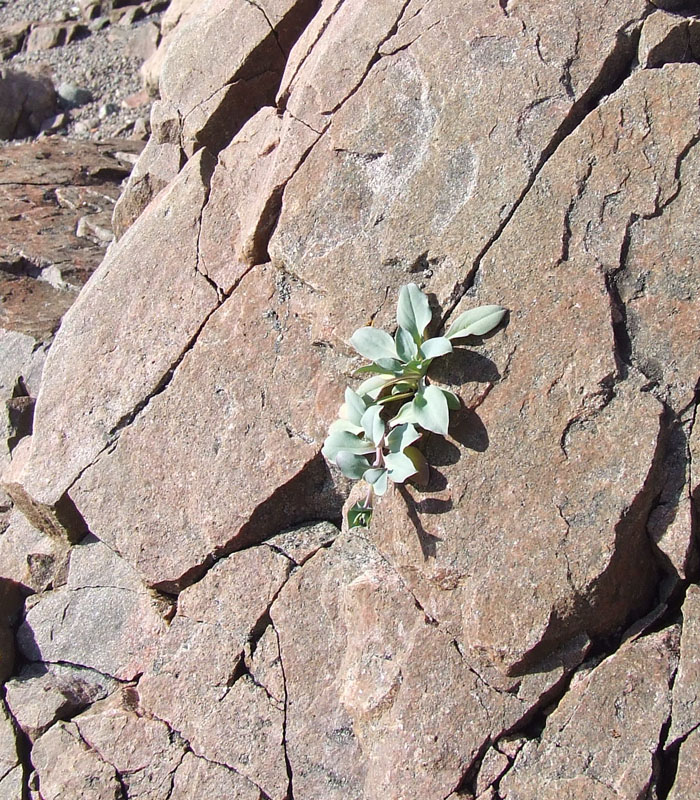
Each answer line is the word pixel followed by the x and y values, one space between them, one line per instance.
pixel 602 738
pixel 26 100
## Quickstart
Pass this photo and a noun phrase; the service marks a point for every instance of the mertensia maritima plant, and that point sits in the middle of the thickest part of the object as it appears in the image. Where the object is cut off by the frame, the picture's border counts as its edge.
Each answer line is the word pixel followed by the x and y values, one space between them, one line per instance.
pixel 381 422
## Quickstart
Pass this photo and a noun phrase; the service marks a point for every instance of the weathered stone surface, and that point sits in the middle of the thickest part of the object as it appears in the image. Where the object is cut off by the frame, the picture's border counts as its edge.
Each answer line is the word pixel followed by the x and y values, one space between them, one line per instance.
pixel 220 658
pixel 197 777
pixel 26 100
pixel 668 38
pixel 220 63
pixel 46 187
pixel 365 201
pixel 67 767
pixel 395 711
pixel 591 434
pixel 71 431
pixel 42 694
pixel 265 396
pixel 11 38
pixel 601 740
pixel 28 557
pixel 103 619
pixel 685 786
pixel 143 751
pixel 8 745
pixel 686 688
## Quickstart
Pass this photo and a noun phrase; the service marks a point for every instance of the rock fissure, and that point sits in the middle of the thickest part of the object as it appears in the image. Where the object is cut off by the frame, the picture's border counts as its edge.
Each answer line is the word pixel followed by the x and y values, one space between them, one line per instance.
pixel 285 718
pixel 617 67
pixel 23 745
pixel 271 26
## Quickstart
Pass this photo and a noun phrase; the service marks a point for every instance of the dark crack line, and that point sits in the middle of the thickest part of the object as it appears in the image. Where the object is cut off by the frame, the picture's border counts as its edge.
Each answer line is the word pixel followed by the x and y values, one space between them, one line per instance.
pixel 609 79
pixel 23 745
pixel 285 718
pixel 273 30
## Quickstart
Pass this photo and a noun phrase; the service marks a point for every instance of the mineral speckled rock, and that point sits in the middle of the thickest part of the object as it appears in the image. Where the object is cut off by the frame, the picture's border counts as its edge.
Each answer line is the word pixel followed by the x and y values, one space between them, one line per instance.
pixel 685 785
pixel 601 740
pixel 258 374
pixel 103 619
pixel 686 688
pixel 71 430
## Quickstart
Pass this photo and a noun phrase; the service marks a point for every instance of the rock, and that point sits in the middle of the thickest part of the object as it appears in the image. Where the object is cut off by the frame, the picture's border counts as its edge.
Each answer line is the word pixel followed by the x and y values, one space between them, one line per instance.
pixel 43 694
pixel 144 751
pixel 107 109
pixel 666 39
pixel 492 767
pixel 197 777
pixel 47 185
pixel 9 759
pixel 53 124
pixel 596 426
pixel 67 767
pixel 144 42
pixel 602 738
pixel 26 100
pixel 686 688
pixel 72 96
pixel 45 36
pixel 69 624
pixel 243 726
pixel 186 301
pixel 685 785
pixel 12 38
pixel 29 558
pixel 261 329
pixel 237 78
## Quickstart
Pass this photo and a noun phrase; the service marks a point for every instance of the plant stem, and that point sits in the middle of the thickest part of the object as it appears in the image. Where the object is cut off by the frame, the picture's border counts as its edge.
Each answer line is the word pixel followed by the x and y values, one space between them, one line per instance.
pixel 391 398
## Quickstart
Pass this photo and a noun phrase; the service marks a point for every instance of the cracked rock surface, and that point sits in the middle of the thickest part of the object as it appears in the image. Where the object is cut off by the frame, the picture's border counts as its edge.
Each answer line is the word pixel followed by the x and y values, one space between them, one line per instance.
pixel 188 619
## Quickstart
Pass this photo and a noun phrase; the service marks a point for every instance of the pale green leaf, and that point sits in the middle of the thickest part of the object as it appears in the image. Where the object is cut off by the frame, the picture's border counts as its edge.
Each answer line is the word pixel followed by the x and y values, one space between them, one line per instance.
pixel 406 347
pixel 476 322
pixel 452 400
pixel 355 406
pixel 401 437
pixel 343 440
pixel 391 365
pixel 407 413
pixel 422 475
pixel 351 465
pixel 359 516
pixel 345 425
pixel 413 312
pixel 399 467
pixel 431 410
pixel 373 424
pixel 439 346
pixel 373 344
pixel 372 387
pixel 373 368
pixel 377 478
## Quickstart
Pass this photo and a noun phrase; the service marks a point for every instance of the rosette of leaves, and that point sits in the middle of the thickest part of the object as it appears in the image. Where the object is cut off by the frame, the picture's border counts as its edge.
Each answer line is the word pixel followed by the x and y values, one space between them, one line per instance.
pixel 380 424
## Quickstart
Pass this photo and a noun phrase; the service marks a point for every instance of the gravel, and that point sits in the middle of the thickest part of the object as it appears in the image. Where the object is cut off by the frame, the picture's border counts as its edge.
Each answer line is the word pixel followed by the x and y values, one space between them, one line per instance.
pixel 105 63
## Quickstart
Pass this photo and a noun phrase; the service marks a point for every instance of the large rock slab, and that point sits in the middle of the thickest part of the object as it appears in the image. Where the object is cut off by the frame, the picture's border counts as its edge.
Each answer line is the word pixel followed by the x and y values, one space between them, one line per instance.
pixel 26 100
pixel 381 701
pixel 197 777
pixel 103 619
pixel 584 485
pixel 219 65
pixel 601 740
pixel 124 354
pixel 248 441
pixel 685 786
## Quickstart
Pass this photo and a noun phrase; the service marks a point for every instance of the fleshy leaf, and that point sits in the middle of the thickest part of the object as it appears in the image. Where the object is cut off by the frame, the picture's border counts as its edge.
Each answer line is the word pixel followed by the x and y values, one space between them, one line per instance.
pixel 452 400
pixel 373 424
pixel 399 466
pixel 413 312
pixel 401 437
pixel 390 365
pixel 406 414
pixel 342 440
pixel 373 386
pixel 345 425
pixel 439 346
pixel 355 406
pixel 378 478
pixel 430 408
pixel 373 368
pixel 406 347
pixel 359 516
pixel 373 344
pixel 351 465
pixel 422 475
pixel 476 321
